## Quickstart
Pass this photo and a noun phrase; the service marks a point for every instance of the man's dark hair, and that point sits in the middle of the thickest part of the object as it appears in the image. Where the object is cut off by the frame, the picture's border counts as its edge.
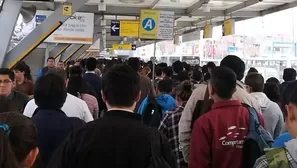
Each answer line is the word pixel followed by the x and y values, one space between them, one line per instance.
pixel 20 67
pixel 168 72
pixel 236 64
pixel 252 70
pixel 50 58
pixel 121 85
pixel 23 67
pixel 272 91
pixel 289 74
pixel 162 65
pixel 223 82
pixel 58 71
pixel 255 81
pixel 165 86
pixel 177 66
pixel 50 92
pixel 273 80
pixel 183 75
pixel 76 70
pixel 210 65
pixel 91 64
pixel 197 75
pixel 6 71
pixel 61 62
pixel 134 63
pixel 158 71
pixel 287 96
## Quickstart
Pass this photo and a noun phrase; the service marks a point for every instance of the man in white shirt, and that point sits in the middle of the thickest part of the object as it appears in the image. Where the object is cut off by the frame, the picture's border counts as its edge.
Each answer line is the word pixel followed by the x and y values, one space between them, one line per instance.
pixel 73 106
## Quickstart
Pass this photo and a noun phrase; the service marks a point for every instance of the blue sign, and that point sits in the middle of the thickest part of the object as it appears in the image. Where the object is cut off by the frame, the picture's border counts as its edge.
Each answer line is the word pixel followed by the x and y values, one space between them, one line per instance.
pixel 232 49
pixel 133 47
pixel 148 24
pixel 40 18
pixel 115 28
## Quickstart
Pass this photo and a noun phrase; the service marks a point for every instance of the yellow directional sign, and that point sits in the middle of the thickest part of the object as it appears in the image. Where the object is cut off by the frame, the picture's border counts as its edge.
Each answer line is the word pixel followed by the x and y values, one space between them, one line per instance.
pixel 67 9
pixel 129 28
pixel 122 46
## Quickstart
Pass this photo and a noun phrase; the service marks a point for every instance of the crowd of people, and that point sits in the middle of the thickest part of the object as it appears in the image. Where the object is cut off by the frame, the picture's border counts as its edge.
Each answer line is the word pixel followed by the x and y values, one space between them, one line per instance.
pixel 115 113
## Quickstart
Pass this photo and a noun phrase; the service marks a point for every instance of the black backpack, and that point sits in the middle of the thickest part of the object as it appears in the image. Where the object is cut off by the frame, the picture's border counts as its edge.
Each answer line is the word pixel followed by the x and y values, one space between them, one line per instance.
pixel 152 114
pixel 157 160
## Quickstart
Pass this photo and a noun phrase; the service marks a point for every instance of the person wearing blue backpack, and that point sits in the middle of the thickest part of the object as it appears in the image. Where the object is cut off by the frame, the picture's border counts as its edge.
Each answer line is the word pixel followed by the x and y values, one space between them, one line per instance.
pixel 284 156
pixel 219 136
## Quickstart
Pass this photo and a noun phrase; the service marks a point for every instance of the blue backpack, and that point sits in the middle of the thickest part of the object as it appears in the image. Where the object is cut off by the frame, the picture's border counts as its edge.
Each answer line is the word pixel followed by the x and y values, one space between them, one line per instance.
pixel 256 141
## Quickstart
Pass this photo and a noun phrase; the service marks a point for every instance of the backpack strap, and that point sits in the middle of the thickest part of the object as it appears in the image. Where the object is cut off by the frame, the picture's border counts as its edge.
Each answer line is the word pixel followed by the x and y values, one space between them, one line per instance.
pixel 253 118
pixel 277 158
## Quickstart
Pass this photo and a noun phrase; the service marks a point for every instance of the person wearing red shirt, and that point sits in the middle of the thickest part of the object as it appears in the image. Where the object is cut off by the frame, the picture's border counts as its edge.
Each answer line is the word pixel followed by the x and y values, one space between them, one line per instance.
pixel 218 135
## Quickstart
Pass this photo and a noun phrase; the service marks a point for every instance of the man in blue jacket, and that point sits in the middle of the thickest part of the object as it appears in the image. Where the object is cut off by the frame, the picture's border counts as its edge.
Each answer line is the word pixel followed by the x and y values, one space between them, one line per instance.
pixel 50 64
pixel 163 98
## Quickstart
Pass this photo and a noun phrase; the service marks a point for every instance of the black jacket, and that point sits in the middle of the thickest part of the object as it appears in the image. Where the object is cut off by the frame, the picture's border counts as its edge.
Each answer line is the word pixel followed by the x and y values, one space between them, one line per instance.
pixel 53 126
pixel 118 140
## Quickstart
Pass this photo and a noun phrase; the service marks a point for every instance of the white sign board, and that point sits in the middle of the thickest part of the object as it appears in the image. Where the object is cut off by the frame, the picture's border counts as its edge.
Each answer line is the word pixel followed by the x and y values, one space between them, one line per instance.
pixel 191 36
pixel 166 25
pixel 77 29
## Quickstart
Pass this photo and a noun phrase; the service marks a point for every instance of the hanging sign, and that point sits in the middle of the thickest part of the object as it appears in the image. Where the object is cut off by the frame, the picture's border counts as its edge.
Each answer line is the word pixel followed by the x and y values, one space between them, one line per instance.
pixel 67 9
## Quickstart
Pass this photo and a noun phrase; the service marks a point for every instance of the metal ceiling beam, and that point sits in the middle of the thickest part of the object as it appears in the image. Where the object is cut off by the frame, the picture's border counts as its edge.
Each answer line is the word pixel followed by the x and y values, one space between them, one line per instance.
pixel 39 34
pixel 278 8
pixel 154 4
pixel 196 6
pixel 8 18
pixel 241 6
pixel 205 19
pixel 217 13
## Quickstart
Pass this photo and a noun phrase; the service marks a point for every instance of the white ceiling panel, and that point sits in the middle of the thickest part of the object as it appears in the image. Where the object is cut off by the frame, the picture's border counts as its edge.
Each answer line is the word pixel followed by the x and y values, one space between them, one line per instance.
pixel 261 6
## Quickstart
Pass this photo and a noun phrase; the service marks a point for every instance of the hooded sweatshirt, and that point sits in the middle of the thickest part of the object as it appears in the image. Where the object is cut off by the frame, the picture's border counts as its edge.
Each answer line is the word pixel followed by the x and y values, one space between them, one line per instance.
pixel 272 114
pixel 166 101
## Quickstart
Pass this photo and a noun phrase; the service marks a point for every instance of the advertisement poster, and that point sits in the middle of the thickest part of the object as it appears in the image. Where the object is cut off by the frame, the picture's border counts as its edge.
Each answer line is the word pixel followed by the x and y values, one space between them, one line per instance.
pixel 77 29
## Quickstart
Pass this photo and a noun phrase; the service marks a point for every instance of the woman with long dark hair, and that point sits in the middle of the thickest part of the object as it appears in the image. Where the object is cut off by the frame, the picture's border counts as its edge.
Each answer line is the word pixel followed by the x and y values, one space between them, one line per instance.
pixel 18 141
pixel 79 88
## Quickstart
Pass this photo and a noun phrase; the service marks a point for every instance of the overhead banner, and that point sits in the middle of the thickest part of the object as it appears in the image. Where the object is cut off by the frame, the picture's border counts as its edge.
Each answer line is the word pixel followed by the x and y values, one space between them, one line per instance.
pixel 228 27
pixel 156 24
pixel 78 29
pixel 124 28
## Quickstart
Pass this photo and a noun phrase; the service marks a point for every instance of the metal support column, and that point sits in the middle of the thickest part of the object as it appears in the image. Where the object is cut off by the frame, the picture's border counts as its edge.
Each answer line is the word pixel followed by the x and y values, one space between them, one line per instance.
pixel 70 52
pixel 39 34
pixel 8 17
pixel 58 50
